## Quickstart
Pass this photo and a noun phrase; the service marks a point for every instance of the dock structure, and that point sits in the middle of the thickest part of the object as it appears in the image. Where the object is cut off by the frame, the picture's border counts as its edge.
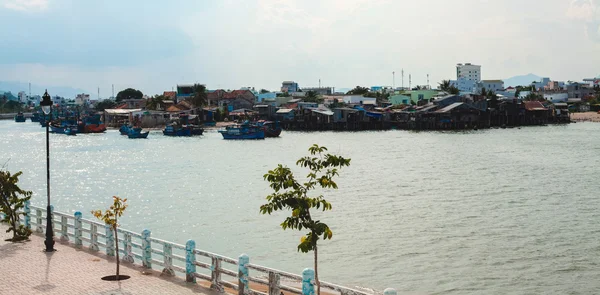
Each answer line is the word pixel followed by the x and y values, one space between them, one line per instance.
pixel 156 266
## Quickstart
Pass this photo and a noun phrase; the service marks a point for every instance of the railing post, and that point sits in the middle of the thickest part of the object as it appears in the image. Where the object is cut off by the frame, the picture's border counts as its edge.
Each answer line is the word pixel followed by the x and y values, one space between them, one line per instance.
pixel 215 275
pixel 243 286
pixel 77 231
pixel 308 281
pixel 127 256
pixel 94 237
pixel 190 261
pixel 168 260
pixel 390 291
pixel 110 240
pixel 146 249
pixel 274 283
pixel 27 214
pixel 64 234
pixel 38 221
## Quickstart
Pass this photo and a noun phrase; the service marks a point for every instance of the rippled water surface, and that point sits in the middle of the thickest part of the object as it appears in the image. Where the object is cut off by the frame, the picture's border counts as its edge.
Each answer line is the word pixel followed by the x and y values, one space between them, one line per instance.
pixel 488 212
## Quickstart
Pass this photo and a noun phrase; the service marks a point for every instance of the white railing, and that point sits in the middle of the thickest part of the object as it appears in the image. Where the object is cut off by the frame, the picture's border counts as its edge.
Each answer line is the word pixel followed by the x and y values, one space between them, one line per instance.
pixel 176 259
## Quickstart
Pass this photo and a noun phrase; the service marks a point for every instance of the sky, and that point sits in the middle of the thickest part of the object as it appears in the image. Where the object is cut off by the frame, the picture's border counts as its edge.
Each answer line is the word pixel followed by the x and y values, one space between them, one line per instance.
pixel 155 45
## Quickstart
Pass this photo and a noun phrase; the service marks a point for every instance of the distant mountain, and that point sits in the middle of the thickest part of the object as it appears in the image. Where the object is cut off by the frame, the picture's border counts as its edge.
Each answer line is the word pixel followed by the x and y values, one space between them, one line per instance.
pixel 15 87
pixel 523 80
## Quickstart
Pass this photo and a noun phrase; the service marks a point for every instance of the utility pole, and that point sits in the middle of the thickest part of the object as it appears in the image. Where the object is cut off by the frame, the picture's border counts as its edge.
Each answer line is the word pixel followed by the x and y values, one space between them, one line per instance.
pixel 319 82
pixel 113 91
pixel 29 89
pixel 393 81
pixel 428 81
pixel 409 82
pixel 98 93
pixel 402 79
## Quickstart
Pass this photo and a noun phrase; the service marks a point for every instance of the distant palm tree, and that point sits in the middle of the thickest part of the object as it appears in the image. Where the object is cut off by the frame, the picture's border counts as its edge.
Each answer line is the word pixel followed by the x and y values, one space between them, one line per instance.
pixel 444 85
pixel 200 96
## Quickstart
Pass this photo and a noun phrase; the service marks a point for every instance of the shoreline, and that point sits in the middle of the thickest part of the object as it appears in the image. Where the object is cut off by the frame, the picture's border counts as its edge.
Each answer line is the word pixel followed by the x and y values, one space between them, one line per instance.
pixel 586 117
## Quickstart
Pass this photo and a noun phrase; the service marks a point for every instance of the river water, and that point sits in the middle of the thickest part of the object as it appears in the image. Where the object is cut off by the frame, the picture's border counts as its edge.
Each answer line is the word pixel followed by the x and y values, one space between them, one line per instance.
pixel 506 211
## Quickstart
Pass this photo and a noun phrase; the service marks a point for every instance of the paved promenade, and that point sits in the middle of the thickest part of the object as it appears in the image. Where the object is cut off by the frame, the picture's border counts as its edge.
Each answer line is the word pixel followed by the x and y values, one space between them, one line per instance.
pixel 26 269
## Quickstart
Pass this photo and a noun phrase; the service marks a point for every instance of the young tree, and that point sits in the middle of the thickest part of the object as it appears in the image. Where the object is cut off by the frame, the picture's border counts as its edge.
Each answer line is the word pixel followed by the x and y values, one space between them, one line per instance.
pixel 358 90
pixel 444 85
pixel 294 195
pixel 12 202
pixel 110 218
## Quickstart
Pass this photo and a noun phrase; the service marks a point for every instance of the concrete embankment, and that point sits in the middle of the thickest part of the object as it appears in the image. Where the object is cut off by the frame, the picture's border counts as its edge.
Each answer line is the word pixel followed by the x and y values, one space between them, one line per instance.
pixel 11 116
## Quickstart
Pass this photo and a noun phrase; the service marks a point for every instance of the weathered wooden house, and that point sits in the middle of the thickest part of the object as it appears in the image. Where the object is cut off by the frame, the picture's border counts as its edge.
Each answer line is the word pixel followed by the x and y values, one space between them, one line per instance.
pixel 535 113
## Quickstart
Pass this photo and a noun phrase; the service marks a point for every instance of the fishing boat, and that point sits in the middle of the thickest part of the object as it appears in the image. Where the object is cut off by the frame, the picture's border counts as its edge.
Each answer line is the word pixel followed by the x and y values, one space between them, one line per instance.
pixel 35 117
pixel 176 130
pixel 124 130
pixel 137 133
pixel 271 129
pixel 20 118
pixel 197 130
pixel 91 124
pixel 243 131
pixel 70 130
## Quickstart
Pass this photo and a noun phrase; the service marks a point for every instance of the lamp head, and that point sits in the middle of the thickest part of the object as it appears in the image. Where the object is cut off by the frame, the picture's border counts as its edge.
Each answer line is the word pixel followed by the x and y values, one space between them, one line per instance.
pixel 46 103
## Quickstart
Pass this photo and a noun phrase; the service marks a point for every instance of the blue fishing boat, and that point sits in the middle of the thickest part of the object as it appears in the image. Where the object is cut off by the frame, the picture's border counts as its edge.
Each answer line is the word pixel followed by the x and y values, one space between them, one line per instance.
pixel 70 130
pixel 137 133
pixel 175 130
pixel 124 130
pixel 20 118
pixel 243 131
pixel 35 117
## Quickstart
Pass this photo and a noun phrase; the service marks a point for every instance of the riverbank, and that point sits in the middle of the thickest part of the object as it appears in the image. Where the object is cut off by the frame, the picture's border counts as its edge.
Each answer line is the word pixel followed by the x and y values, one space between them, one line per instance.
pixel 585 117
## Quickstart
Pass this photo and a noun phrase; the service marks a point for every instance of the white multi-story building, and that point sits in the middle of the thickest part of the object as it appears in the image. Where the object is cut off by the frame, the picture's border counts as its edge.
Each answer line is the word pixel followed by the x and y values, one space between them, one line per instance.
pixel 494 85
pixel 464 85
pixel 23 97
pixel 468 71
pixel 82 99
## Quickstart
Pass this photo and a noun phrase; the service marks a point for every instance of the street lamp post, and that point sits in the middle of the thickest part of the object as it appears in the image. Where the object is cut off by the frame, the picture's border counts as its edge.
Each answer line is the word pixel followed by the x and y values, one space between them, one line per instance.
pixel 46 105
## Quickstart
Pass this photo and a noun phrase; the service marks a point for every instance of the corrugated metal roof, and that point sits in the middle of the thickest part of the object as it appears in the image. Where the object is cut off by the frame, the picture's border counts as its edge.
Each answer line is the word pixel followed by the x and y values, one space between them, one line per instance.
pixel 534 106
pixel 450 107
pixel 323 112
pixel 426 109
pixel 283 111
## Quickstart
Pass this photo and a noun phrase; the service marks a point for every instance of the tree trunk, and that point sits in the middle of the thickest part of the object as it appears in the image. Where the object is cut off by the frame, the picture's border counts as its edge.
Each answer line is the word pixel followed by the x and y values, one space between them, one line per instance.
pixel 317 272
pixel 117 251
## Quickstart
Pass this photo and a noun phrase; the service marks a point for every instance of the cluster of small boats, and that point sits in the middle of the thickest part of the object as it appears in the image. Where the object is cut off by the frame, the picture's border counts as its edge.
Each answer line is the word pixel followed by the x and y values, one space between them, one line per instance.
pixel 70 124
pixel 251 130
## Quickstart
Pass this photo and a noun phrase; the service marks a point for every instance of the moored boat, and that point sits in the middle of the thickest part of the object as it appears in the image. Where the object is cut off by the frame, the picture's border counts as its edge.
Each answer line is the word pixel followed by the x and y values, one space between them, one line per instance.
pixel 176 130
pixel 35 117
pixel 91 124
pixel 20 118
pixel 243 131
pixel 137 133
pixel 124 130
pixel 271 129
pixel 70 130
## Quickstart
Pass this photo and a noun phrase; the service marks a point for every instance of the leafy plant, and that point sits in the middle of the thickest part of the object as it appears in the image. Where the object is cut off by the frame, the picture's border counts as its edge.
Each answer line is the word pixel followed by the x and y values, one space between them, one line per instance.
pixel 293 195
pixel 12 203
pixel 110 217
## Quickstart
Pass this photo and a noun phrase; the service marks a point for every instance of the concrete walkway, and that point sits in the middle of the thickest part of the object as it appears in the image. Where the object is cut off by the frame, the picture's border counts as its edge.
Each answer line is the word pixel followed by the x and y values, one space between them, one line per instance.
pixel 26 269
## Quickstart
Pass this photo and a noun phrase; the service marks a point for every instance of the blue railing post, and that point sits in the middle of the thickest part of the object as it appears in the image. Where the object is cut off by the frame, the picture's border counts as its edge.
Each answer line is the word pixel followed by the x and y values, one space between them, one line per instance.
pixel 215 275
pixel 94 237
pixel 308 281
pixel 110 240
pixel 168 260
pixel 243 285
pixel 127 256
pixel 146 249
pixel 27 214
pixel 77 231
pixel 38 220
pixel 274 280
pixel 64 234
pixel 190 261
pixel 390 291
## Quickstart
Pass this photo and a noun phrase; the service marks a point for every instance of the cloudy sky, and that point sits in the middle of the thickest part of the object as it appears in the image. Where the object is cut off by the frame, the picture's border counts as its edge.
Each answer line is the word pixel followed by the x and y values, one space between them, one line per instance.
pixel 153 45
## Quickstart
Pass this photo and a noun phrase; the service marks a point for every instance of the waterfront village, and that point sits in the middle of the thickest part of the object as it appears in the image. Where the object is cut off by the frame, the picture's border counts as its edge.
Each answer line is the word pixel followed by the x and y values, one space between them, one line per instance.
pixel 468 102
